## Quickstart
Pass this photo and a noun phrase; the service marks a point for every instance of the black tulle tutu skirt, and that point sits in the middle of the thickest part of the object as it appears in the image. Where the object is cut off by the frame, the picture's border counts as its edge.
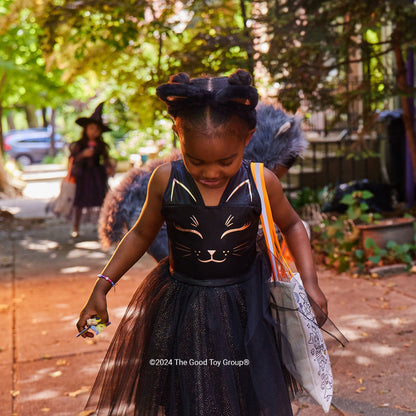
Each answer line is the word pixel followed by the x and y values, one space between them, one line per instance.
pixel 194 348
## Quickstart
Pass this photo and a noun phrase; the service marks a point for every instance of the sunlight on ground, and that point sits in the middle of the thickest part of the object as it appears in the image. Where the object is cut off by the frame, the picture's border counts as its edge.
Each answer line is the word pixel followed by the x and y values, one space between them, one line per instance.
pixel 362 321
pixel 381 350
pixel 363 360
pixel 77 253
pixel 88 245
pixel 38 190
pixel 41 245
pixel 75 269
pixel 42 395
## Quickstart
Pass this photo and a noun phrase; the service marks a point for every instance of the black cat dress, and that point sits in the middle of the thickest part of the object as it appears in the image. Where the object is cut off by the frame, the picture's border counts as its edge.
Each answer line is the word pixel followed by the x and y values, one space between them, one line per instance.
pixel 196 339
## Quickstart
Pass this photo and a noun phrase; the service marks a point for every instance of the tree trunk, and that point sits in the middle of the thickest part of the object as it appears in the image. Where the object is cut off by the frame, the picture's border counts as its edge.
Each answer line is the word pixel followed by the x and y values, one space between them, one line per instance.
pixel 30 116
pixel 52 150
pixel 2 82
pixel 408 116
pixel 44 117
pixel 250 48
pixel 1 128
pixel 10 121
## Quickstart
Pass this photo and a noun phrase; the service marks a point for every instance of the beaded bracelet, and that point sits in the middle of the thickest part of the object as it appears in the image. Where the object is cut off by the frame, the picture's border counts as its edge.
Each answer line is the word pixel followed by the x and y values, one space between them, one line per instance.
pixel 107 278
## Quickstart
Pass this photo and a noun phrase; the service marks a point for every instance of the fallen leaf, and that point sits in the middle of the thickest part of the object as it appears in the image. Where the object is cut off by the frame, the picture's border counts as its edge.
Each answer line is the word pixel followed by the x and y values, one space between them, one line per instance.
pixel 361 380
pixel 405 408
pixel 45 410
pixel 360 389
pixel 383 405
pixel 14 393
pixel 78 392
pixel 46 357
pixel 61 362
pixel 55 374
pixel 383 391
pixel 3 307
pixel 364 334
pixel 86 413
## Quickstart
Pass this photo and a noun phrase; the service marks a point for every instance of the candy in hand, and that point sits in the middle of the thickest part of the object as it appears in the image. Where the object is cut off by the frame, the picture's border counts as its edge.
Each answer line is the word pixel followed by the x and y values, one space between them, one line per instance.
pixel 95 324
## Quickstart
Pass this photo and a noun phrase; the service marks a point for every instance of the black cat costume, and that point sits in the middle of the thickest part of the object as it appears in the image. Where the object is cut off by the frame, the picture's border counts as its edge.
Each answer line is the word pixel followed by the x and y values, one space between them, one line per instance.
pixel 196 339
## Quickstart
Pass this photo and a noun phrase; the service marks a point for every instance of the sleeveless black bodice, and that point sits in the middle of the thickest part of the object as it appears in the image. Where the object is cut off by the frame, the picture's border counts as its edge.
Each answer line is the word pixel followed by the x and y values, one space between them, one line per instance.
pixel 211 242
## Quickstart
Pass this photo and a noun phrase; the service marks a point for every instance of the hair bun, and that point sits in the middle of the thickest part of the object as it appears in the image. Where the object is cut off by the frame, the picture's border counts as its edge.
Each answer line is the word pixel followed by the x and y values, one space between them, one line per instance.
pixel 240 77
pixel 181 78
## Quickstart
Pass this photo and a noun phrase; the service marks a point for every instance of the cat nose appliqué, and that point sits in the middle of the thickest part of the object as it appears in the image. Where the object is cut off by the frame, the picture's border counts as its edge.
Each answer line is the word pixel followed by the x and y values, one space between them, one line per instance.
pixel 211 259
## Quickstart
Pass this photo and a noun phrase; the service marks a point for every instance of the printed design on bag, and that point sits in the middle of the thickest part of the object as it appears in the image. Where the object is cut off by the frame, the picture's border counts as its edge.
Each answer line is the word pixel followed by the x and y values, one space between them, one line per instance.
pixel 320 355
pixel 214 255
pixel 316 345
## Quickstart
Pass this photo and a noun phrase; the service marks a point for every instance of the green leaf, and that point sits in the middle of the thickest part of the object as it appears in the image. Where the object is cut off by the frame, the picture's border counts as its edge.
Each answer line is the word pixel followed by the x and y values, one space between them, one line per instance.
pixel 367 195
pixel 369 243
pixel 375 259
pixel 391 245
pixel 347 199
pixel 360 254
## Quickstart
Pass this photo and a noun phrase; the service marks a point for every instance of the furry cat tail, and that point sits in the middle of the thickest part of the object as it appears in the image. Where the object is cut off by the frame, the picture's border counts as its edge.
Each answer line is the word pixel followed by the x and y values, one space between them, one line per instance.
pixel 278 139
pixel 123 204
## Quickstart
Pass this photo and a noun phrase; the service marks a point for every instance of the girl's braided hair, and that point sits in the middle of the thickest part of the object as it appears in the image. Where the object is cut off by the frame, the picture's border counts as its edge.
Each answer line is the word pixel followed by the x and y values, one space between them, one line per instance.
pixel 224 97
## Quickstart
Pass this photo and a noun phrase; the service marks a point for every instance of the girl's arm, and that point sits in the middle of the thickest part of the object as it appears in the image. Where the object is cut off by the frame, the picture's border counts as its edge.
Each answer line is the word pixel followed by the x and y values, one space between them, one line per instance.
pixel 131 248
pixel 297 241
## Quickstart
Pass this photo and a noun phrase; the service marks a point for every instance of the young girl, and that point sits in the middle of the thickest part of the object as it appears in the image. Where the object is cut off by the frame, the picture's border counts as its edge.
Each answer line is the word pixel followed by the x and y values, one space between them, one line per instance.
pixel 196 338
pixel 90 163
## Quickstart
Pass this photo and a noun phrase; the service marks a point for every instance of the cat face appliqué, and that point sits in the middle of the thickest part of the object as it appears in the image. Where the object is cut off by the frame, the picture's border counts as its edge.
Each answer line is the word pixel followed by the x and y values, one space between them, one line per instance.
pixel 213 255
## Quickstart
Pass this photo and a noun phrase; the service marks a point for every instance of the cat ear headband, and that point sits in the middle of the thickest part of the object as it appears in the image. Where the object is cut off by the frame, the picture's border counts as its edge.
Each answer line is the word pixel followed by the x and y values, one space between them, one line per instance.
pixel 234 91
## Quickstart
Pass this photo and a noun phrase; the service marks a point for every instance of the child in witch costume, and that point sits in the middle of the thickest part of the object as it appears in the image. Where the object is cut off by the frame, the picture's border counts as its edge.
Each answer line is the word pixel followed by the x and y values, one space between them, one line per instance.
pixel 196 338
pixel 91 163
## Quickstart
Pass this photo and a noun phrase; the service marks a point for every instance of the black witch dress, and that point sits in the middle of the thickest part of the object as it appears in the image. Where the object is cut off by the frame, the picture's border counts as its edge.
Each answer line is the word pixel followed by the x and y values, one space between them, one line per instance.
pixel 197 338
pixel 90 175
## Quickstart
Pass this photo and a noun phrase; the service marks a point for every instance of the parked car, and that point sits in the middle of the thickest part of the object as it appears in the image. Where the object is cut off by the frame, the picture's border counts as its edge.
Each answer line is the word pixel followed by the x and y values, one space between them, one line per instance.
pixel 30 145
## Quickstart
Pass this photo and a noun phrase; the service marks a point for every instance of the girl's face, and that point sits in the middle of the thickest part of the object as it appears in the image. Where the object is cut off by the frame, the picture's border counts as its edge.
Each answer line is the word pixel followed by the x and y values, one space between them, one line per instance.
pixel 93 131
pixel 212 158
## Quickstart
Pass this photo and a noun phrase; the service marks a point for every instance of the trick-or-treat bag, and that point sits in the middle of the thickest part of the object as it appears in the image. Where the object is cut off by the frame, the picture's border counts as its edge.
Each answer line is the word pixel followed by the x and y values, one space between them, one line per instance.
pixel 64 202
pixel 290 307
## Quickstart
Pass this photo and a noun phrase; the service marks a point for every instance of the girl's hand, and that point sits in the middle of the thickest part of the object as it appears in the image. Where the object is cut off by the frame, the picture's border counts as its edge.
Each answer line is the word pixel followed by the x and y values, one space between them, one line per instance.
pixel 319 303
pixel 96 306
pixel 88 152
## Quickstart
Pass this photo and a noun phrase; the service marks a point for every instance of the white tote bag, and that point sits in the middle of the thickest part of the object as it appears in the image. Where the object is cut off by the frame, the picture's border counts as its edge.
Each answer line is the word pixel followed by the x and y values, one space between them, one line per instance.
pixel 65 200
pixel 290 307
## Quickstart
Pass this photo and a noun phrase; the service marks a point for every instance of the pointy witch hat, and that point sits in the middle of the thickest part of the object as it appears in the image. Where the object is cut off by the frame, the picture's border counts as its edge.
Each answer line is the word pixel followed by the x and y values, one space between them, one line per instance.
pixel 96 117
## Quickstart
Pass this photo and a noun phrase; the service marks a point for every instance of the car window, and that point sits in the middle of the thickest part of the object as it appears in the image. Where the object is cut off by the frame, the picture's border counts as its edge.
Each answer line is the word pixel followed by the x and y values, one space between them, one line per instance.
pixel 38 139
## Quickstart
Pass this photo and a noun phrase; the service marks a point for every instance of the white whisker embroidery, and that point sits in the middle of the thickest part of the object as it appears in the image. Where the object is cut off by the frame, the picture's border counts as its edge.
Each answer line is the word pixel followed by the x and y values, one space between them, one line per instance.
pixel 183 245
pixel 194 221
pixel 246 182
pixel 241 246
pixel 184 249
pixel 175 181
pixel 233 230
pixel 229 221
pixel 188 230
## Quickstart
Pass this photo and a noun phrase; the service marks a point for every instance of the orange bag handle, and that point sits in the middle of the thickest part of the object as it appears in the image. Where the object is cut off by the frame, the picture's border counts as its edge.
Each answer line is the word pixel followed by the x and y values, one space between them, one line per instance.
pixel 280 268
